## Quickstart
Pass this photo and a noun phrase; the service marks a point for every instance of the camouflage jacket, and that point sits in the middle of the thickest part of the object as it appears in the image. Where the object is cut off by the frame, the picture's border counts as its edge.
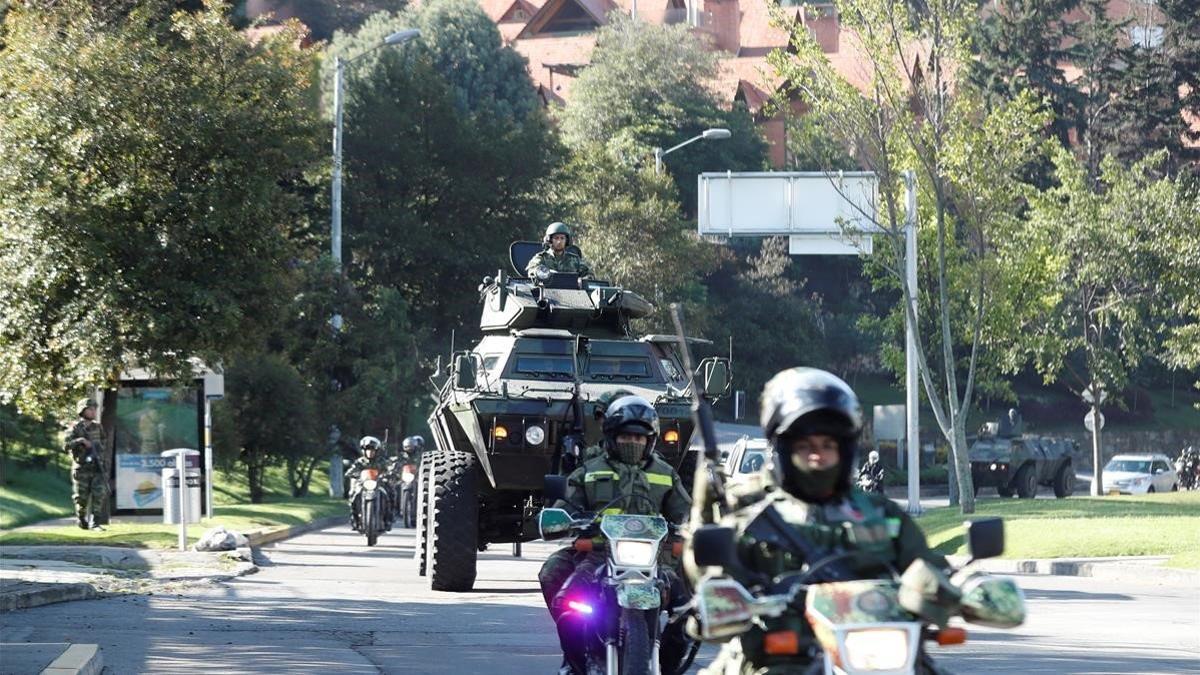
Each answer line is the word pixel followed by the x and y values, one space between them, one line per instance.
pixel 361 463
pixel 870 525
pixel 85 442
pixel 617 487
pixel 567 262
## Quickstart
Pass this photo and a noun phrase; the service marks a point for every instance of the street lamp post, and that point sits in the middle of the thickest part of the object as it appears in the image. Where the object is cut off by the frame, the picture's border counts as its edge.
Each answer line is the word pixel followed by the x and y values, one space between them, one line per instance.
pixel 708 135
pixel 339 78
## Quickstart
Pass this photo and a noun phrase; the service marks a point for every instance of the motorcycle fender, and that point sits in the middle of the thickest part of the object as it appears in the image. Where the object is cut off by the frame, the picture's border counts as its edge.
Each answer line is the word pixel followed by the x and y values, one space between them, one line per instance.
pixel 638 596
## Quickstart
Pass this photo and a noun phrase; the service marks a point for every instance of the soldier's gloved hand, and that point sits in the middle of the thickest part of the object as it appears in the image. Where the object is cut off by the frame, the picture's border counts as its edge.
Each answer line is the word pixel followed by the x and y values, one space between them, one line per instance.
pixel 542 273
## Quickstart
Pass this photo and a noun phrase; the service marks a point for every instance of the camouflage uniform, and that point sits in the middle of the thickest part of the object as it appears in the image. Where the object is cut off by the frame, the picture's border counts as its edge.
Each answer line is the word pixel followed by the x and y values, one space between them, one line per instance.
pixel 89 476
pixel 353 472
pixel 568 262
pixel 869 523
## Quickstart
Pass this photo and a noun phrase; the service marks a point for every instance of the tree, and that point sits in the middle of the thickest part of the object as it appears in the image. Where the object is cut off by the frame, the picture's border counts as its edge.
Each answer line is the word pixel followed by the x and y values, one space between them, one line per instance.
pixel 145 192
pixel 268 417
pixel 444 167
pixel 1101 314
pixel 645 88
pixel 966 158
pixel 629 222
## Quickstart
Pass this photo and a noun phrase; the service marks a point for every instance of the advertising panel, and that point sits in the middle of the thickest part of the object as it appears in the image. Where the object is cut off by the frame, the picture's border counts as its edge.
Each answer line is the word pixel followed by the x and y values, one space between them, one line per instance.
pixel 149 420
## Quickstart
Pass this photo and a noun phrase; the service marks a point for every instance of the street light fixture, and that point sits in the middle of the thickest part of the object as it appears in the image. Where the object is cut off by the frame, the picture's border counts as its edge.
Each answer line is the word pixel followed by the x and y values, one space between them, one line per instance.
pixel 398 38
pixel 706 135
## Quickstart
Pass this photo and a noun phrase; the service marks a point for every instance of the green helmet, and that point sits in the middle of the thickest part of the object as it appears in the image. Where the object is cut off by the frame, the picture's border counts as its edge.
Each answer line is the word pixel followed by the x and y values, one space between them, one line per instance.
pixel 85 403
pixel 556 228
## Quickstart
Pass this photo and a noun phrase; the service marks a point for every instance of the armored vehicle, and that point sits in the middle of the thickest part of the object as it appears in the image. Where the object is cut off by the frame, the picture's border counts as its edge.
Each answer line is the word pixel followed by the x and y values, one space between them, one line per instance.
pixel 526 402
pixel 1004 457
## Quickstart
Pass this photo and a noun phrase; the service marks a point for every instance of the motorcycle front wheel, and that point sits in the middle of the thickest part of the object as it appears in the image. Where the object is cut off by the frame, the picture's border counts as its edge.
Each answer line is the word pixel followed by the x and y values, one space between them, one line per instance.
pixel 636 645
pixel 371 521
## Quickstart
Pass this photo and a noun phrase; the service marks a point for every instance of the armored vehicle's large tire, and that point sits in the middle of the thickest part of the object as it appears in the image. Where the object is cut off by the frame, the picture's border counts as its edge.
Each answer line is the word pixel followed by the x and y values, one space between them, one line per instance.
pixel 1026 482
pixel 1064 481
pixel 453 524
pixel 421 539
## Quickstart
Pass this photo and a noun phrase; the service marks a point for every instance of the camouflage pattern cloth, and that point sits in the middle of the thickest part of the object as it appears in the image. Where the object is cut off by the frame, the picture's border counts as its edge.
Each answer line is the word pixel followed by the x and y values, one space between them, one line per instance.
pixel 567 262
pixel 357 467
pixel 596 484
pixel 870 524
pixel 89 475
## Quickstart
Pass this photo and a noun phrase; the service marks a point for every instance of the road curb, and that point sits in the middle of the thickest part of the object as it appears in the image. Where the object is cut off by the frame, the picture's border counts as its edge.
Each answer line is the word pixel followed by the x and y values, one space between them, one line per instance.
pixel 1108 569
pixel 77 660
pixel 50 594
pixel 263 537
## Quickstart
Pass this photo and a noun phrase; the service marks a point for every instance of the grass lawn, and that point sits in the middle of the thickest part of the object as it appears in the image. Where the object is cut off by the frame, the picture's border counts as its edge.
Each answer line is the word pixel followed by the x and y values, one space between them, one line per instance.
pixel 1084 527
pixel 39 495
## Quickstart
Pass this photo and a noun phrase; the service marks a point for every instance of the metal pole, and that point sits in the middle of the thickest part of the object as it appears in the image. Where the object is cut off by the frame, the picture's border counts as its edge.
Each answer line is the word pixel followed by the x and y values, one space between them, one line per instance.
pixel 658 154
pixel 208 458
pixel 180 471
pixel 336 198
pixel 912 381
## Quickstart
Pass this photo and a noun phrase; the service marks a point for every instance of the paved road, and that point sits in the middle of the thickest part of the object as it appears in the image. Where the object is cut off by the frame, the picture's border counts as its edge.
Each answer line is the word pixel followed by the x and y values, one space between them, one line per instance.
pixel 323 602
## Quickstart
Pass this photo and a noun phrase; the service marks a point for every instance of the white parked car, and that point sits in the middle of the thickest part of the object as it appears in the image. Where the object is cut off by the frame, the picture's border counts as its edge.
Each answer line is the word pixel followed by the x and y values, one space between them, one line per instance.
pixel 747 458
pixel 1140 474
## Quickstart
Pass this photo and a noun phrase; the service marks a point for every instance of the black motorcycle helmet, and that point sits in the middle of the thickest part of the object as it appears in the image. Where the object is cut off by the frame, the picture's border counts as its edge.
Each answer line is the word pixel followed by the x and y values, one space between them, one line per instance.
pixel 413 444
pixel 803 402
pixel 371 444
pixel 629 414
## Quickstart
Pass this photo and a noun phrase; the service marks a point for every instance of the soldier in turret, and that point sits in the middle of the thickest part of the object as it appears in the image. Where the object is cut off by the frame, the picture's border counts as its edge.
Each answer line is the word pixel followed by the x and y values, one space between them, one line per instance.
pixel 89 476
pixel 555 257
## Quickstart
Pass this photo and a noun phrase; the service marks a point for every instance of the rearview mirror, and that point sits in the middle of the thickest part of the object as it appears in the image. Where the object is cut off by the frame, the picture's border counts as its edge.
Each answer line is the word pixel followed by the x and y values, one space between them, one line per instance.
pixel 985 538
pixel 713 545
pixel 714 376
pixel 553 523
pixel 464 372
pixel 554 487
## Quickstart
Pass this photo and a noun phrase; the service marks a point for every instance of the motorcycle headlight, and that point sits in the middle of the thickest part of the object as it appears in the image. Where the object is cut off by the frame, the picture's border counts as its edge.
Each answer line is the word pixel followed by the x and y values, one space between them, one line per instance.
pixel 407 478
pixel 534 435
pixel 876 649
pixel 635 553
pixel 369 484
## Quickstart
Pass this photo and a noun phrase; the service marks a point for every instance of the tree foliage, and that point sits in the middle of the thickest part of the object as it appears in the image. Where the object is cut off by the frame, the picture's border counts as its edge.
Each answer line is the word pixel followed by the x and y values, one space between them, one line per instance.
pixel 645 88
pixel 147 181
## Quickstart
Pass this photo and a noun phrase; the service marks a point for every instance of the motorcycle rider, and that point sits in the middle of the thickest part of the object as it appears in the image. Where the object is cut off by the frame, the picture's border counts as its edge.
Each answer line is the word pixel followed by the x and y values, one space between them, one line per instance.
pixel 812 420
pixel 410 453
pixel 628 478
pixel 372 458
pixel 872 471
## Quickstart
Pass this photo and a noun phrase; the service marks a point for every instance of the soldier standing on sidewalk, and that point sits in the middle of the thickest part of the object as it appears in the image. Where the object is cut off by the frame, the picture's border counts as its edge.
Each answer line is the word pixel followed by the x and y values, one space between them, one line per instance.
pixel 89 476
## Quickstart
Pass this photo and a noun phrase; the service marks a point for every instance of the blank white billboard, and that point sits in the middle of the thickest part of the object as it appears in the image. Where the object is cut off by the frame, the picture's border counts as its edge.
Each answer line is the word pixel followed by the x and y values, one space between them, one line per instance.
pixel 776 203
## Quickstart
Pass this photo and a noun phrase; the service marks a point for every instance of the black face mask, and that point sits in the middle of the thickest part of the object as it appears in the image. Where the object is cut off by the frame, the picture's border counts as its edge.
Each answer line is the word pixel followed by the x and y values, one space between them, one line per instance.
pixel 813 485
pixel 628 453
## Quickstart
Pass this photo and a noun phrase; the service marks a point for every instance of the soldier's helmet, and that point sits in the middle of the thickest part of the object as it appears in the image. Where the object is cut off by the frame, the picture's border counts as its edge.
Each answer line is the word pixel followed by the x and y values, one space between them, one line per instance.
pixel 370 444
pixel 413 444
pixel 873 456
pixel 556 228
pixel 629 415
pixel 807 401
pixel 85 403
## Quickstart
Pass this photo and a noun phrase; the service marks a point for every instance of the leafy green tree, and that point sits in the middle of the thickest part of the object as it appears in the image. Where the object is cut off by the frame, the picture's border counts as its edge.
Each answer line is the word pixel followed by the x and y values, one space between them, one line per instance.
pixel 1101 315
pixel 144 194
pixel 444 167
pixel 629 224
pixel 267 417
pixel 644 88
pixel 966 158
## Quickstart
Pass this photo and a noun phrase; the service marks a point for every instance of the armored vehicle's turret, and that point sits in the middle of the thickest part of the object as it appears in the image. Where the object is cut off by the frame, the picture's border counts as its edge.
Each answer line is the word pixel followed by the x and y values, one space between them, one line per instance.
pixel 564 301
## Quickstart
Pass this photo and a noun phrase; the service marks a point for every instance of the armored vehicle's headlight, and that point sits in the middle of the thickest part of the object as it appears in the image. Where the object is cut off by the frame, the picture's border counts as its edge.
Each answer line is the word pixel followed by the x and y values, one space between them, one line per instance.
pixel 534 435
pixel 670 436
pixel 877 649
pixel 636 553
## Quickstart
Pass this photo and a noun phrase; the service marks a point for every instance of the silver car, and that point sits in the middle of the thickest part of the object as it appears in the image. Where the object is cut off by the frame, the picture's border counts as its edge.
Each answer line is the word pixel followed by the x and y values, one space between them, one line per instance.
pixel 1140 474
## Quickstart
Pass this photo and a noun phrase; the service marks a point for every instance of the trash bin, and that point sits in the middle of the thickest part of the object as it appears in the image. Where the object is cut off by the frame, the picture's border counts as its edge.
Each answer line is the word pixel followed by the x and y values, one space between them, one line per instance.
pixel 170 486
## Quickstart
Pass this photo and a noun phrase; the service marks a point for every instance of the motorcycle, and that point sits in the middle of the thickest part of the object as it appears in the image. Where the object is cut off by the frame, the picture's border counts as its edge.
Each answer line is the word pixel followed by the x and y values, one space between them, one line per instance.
pixel 875 626
pixel 408 495
pixel 372 504
pixel 627 613
pixel 870 483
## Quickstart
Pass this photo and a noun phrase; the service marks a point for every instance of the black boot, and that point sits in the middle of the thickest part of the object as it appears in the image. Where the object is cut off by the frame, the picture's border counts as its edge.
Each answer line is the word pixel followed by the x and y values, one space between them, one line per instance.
pixel 83 523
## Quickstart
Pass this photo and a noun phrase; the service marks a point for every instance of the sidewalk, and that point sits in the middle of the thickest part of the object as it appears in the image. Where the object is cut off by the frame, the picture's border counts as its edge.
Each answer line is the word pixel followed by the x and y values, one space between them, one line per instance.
pixel 54 658
pixel 1125 569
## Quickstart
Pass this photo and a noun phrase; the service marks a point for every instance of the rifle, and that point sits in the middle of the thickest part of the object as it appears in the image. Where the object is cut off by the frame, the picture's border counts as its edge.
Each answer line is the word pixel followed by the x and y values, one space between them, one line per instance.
pixel 702 416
